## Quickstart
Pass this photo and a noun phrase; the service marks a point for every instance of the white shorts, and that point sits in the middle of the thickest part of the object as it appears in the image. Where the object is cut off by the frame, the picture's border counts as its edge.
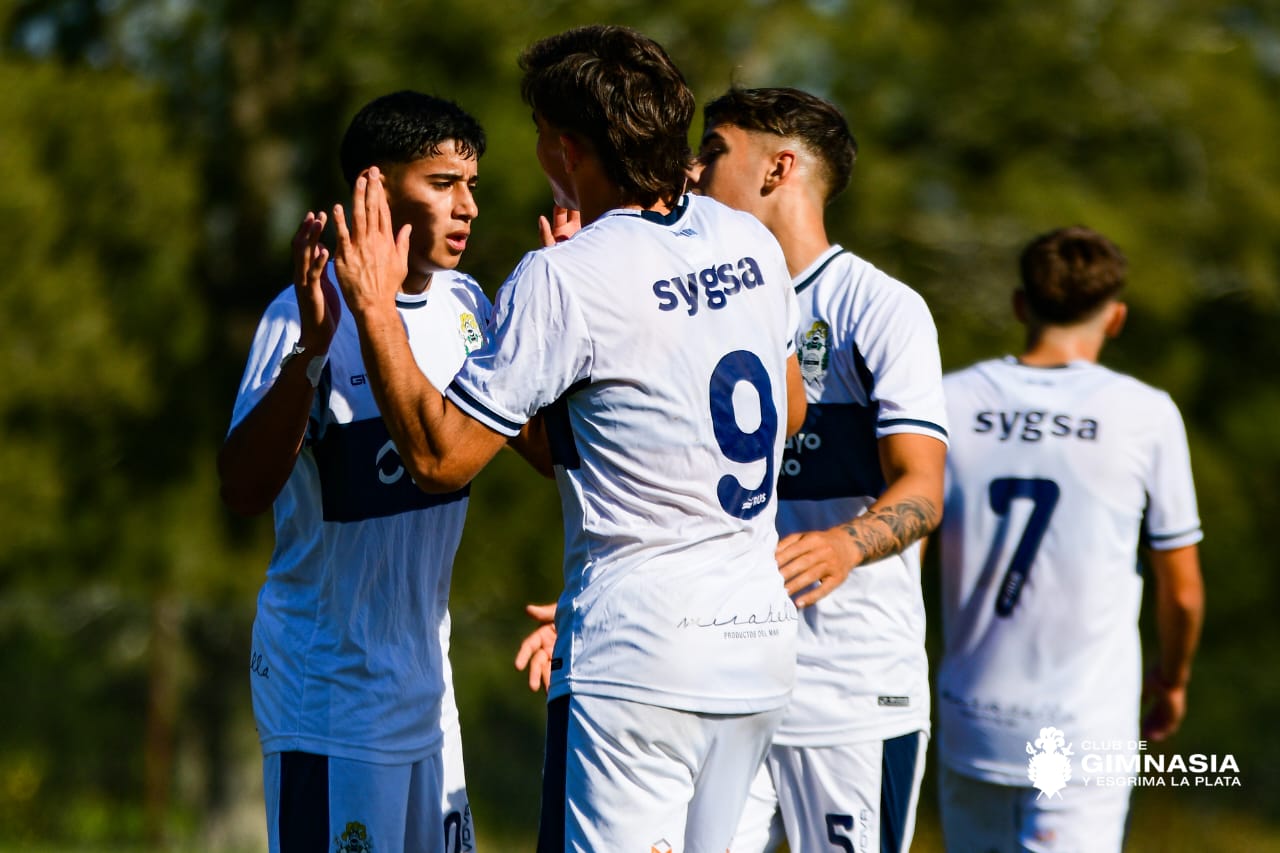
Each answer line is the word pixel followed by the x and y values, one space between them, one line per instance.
pixel 317 802
pixel 983 816
pixel 627 776
pixel 855 797
pixel 459 831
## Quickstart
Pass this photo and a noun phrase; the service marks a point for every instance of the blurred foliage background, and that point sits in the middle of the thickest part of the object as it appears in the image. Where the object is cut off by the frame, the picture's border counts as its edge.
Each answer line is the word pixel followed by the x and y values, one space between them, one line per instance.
pixel 156 155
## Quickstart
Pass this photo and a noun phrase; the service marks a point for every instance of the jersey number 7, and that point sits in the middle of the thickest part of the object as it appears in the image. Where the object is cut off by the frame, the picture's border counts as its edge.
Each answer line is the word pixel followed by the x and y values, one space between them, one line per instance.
pixel 1043 495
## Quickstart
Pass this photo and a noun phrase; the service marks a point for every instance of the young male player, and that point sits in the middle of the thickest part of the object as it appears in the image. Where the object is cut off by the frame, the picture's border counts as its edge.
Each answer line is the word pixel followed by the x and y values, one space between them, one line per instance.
pixel 861 484
pixel 658 340
pixel 1058 467
pixel 350 674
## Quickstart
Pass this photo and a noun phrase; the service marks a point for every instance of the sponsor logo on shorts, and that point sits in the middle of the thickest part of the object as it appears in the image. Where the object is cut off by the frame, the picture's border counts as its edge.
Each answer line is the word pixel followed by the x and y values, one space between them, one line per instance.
pixel 894 701
pixel 355 839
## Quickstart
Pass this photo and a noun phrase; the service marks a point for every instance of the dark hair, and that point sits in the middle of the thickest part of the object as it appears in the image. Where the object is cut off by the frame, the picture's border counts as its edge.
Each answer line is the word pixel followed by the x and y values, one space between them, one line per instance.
pixel 406 126
pixel 1070 273
pixel 818 124
pixel 619 90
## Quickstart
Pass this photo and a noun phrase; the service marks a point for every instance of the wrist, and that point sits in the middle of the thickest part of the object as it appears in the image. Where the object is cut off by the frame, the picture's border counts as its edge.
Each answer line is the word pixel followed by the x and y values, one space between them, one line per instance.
pixel 314 361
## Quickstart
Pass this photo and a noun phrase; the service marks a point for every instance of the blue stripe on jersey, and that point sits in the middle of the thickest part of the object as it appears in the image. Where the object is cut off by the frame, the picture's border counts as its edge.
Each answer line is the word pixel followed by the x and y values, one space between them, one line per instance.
pixel 929 425
pixel 482 408
pixel 811 279
pixel 897 789
pixel 668 218
pixel 564 447
pixel 834 455
pixel 361 475
pixel 554 769
pixel 303 819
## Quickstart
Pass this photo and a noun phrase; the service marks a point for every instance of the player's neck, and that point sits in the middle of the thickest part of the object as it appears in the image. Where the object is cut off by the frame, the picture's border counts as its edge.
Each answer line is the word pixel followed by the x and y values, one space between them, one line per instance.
pixel 801 233
pixel 1051 346
pixel 415 283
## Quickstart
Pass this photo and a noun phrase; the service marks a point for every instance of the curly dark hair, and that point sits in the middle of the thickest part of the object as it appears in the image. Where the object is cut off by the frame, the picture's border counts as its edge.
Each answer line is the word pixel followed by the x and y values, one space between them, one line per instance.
pixel 621 92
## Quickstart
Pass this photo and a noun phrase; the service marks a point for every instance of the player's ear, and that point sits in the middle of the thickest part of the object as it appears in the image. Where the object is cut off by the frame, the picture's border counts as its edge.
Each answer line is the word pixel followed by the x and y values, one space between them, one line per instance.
pixel 573 150
pixel 1020 306
pixel 780 170
pixel 1118 313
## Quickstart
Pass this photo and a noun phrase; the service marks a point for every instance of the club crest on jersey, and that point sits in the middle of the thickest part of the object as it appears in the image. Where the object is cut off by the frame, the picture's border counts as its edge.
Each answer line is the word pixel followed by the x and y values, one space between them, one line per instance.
pixel 469 331
pixel 354 840
pixel 1049 768
pixel 814 352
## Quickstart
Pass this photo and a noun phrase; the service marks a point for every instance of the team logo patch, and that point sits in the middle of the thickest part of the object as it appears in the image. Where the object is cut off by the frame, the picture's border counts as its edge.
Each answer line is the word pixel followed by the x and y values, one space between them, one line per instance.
pixel 469 331
pixel 354 840
pixel 814 352
pixel 1050 766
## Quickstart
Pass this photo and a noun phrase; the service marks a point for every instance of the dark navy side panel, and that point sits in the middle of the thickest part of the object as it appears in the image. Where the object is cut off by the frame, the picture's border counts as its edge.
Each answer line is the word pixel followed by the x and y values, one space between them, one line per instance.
pixel 554 769
pixel 361 476
pixel 564 448
pixel 304 803
pixel 834 455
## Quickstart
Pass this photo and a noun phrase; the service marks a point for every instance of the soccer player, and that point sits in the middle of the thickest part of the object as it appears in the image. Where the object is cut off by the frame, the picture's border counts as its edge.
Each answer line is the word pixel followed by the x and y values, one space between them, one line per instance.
pixel 1058 468
pixel 659 340
pixel 861 484
pixel 349 671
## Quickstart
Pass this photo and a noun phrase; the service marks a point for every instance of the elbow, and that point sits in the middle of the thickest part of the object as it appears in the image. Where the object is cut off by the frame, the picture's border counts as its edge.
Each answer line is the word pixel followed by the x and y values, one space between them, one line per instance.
pixel 434 477
pixel 243 502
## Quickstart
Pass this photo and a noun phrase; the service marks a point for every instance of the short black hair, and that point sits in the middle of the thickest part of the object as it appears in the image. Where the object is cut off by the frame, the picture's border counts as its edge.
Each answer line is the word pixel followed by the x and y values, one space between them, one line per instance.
pixel 1068 274
pixel 405 126
pixel 620 91
pixel 792 114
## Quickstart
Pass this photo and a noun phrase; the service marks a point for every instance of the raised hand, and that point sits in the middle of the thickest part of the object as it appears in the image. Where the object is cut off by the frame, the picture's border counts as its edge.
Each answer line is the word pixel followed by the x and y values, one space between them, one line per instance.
pixel 372 259
pixel 319 308
pixel 563 225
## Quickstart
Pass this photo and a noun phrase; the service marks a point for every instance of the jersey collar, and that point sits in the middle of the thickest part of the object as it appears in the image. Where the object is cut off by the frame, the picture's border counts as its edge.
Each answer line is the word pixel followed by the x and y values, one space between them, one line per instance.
pixel 810 275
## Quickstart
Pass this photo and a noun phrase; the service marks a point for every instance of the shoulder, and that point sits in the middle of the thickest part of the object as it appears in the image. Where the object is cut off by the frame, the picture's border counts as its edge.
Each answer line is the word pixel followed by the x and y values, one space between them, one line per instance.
pixel 465 290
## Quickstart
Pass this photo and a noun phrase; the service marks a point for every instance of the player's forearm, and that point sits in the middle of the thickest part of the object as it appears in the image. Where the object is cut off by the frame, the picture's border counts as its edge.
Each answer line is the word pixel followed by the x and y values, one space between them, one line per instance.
pixel 258 456
pixel 411 407
pixel 1179 612
pixel 892 524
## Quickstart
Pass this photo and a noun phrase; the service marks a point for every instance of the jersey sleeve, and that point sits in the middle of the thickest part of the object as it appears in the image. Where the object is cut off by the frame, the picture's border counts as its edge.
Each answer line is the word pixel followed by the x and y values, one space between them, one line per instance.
pixel 899 343
pixel 538 346
pixel 1172 519
pixel 277 332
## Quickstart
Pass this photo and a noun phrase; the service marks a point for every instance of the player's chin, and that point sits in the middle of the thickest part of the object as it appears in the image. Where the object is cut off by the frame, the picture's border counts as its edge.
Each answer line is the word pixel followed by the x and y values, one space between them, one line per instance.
pixel 446 258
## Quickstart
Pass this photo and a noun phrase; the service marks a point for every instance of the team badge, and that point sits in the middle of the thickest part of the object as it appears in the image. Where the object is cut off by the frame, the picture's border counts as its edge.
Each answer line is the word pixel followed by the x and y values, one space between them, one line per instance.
pixel 814 352
pixel 354 840
pixel 1050 766
pixel 469 331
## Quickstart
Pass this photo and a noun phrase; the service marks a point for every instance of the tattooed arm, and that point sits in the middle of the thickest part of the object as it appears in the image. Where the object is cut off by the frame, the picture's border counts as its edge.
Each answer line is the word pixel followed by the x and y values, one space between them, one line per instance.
pixel 908 510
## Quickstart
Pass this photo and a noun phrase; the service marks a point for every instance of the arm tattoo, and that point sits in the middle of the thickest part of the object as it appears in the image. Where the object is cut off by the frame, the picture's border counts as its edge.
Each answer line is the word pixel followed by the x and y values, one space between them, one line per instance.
pixel 889 530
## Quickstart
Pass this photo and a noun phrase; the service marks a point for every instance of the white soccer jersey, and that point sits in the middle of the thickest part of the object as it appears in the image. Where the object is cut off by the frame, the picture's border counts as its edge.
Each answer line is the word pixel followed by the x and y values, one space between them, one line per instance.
pixel 347 655
pixel 658 346
pixel 869 357
pixel 1053 475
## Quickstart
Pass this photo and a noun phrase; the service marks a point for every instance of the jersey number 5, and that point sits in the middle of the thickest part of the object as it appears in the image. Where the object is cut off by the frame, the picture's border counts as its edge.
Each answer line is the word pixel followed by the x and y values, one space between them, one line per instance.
pixel 737 445
pixel 1043 495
